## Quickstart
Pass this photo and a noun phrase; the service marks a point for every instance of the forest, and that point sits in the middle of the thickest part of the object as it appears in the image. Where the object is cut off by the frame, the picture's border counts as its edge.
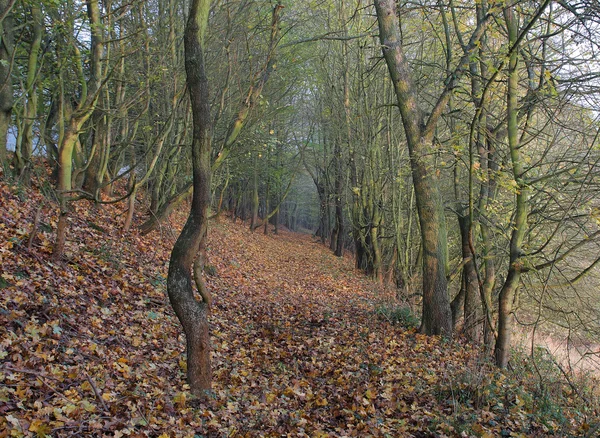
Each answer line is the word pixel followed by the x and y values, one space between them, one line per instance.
pixel 299 218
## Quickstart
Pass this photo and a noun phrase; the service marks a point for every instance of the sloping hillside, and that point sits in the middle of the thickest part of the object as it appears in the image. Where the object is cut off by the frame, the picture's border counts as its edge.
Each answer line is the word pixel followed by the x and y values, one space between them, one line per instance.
pixel 89 346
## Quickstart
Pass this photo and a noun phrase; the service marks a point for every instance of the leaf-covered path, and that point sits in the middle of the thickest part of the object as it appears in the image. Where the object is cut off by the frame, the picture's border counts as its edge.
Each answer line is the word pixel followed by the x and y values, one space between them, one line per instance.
pixel 90 347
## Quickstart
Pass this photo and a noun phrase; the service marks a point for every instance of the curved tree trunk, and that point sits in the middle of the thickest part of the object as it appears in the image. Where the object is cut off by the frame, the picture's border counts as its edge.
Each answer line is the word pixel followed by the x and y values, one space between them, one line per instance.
pixel 70 137
pixel 193 314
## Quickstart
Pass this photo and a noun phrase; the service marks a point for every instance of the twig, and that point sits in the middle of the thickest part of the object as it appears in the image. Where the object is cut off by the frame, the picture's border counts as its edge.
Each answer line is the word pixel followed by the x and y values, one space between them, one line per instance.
pixel 42 379
pixel 140 412
pixel 95 388
pixel 568 379
pixel 61 395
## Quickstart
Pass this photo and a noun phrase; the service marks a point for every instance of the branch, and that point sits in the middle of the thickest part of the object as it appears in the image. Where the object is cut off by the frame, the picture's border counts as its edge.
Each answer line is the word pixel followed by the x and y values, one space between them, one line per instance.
pixel 329 36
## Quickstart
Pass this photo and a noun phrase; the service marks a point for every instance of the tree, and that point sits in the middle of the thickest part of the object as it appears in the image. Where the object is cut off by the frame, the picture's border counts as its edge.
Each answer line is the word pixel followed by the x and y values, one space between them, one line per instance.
pixel 24 146
pixel 73 121
pixel 6 63
pixel 419 132
pixel 189 248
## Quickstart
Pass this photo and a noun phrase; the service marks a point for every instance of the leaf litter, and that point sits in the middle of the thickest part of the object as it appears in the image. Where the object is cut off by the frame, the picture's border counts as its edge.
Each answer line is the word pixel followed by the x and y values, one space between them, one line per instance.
pixel 89 346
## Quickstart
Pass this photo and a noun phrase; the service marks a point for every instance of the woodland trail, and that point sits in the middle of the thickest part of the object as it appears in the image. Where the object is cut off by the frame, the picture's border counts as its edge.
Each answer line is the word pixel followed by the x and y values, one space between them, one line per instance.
pixel 90 346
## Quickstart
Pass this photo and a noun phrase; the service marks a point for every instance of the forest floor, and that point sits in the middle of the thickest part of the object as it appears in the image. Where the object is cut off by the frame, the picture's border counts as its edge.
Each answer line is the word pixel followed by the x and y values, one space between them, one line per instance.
pixel 89 346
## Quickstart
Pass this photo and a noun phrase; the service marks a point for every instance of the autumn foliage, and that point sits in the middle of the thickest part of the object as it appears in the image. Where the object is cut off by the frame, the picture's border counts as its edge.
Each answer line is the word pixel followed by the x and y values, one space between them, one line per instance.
pixel 89 345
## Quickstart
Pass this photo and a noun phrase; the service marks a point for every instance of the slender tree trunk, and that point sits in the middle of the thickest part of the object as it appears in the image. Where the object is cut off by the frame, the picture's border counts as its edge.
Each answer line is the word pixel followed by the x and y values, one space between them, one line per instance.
pixel 64 186
pixel 6 89
pixel 458 304
pixel 70 137
pixel 222 195
pixel 519 226
pixel 487 194
pixel 193 314
pixel 472 308
pixel 47 138
pixel 93 177
pixel 24 148
pixel 255 199
pixel 337 239
pixel 377 268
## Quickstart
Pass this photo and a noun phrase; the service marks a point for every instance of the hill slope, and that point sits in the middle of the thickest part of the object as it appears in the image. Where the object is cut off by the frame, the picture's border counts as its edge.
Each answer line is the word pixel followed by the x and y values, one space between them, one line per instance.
pixel 89 346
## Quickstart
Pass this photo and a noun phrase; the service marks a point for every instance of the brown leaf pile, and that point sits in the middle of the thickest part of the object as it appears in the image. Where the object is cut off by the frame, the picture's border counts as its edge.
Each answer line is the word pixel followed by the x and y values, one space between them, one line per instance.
pixel 89 346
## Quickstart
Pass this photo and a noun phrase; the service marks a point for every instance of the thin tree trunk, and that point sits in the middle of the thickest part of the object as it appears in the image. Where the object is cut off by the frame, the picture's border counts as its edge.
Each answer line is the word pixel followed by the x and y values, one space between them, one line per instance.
pixel 6 90
pixel 519 226
pixel 24 148
pixel 64 186
pixel 472 308
pixel 70 137
pixel 255 200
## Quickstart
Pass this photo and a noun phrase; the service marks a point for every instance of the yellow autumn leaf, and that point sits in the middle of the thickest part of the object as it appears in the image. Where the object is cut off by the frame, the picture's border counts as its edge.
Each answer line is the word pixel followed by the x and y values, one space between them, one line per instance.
pixel 89 407
pixel 321 401
pixel 41 428
pixel 180 399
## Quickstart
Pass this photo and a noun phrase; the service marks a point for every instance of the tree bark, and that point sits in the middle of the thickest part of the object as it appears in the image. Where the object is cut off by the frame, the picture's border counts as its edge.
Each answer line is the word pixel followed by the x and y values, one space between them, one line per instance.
pixel 337 239
pixel 193 314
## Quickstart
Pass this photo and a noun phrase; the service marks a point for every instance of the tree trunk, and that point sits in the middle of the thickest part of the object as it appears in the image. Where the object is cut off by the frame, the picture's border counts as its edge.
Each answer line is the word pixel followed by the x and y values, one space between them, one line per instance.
pixel 93 173
pixel 24 147
pixel 519 226
pixel 255 199
pixel 47 137
pixel 472 297
pixel 6 89
pixel 337 239
pixel 437 315
pixel 458 304
pixel 64 186
pixel 193 314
